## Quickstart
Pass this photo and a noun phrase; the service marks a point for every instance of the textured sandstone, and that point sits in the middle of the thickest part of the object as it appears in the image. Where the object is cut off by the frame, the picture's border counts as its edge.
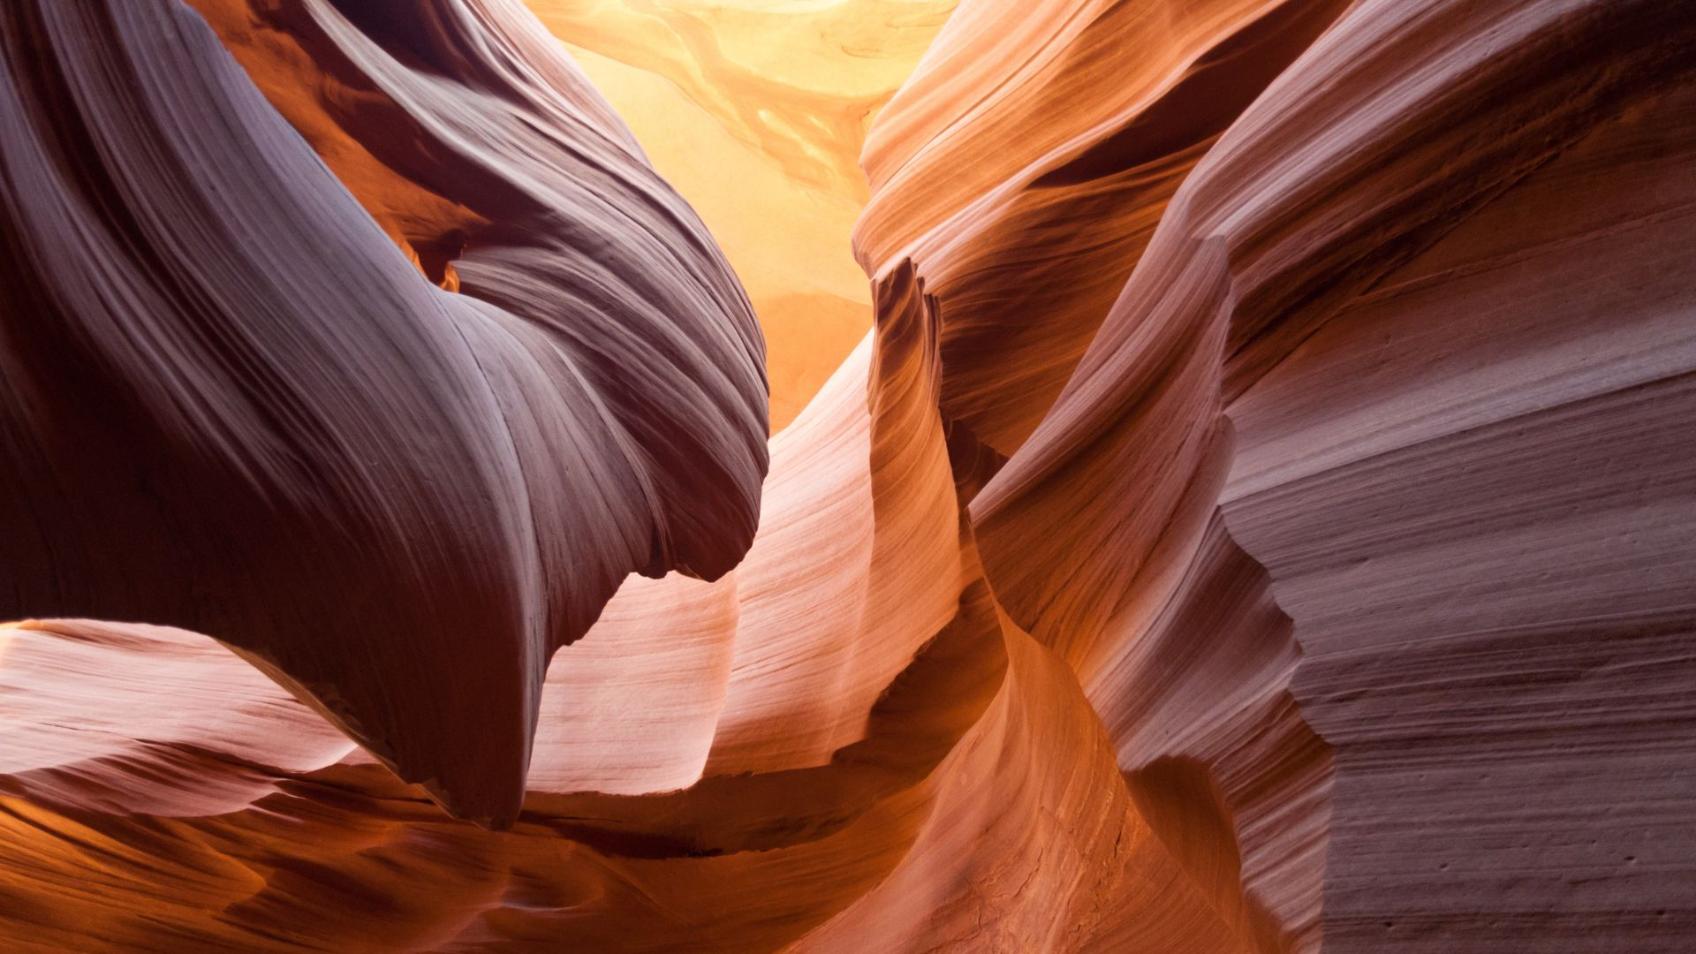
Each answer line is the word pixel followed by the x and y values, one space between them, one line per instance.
pixel 1259 519
pixel 234 407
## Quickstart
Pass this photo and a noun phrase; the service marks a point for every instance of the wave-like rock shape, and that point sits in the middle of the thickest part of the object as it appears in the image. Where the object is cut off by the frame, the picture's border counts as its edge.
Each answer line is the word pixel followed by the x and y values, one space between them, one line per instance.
pixel 1411 146
pixel 234 407
pixel 787 850
pixel 984 181
pixel 1258 520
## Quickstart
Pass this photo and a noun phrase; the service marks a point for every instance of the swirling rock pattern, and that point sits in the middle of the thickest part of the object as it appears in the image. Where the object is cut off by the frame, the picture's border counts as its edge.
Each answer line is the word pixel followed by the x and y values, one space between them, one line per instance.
pixel 1259 519
pixel 234 407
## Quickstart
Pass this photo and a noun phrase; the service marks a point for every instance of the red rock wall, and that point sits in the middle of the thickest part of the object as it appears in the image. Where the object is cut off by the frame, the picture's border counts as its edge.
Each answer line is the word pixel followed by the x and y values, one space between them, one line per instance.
pixel 1260 518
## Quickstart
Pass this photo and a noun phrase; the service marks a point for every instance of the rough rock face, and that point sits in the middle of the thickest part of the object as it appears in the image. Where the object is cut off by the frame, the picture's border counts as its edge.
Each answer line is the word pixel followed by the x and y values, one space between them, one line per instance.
pixel 1260 519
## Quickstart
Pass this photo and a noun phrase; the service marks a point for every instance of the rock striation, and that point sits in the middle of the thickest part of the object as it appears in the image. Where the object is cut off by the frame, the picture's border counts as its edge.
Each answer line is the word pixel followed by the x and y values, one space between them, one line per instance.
pixel 757 112
pixel 1258 520
pixel 234 407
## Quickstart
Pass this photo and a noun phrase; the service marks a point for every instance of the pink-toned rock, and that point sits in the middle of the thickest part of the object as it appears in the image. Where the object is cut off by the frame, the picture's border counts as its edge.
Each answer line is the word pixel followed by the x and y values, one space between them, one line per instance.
pixel 233 406
pixel 1259 520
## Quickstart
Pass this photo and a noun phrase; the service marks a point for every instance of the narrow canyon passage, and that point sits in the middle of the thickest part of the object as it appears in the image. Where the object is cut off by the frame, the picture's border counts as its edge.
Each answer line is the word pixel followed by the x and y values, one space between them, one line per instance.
pixel 847 475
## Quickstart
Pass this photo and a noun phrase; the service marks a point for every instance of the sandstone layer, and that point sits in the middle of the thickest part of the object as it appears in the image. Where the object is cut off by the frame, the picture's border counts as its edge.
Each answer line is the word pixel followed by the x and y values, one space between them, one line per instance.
pixel 1260 517
pixel 233 406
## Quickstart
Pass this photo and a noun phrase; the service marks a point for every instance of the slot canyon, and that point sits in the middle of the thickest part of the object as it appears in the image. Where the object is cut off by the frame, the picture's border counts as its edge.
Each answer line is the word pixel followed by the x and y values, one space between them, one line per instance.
pixel 862 476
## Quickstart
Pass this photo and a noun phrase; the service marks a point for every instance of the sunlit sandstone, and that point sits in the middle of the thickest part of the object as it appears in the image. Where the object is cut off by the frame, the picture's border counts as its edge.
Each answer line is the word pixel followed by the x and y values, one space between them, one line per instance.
pixel 1248 508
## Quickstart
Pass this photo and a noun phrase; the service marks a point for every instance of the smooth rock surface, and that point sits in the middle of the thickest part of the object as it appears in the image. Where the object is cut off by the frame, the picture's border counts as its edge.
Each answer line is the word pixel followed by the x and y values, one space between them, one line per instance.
pixel 1260 517
pixel 234 407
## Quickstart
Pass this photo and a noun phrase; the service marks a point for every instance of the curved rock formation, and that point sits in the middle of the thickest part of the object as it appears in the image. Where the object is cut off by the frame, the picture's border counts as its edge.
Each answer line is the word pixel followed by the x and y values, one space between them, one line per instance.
pixel 757 112
pixel 234 407
pixel 1408 146
pixel 1258 520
